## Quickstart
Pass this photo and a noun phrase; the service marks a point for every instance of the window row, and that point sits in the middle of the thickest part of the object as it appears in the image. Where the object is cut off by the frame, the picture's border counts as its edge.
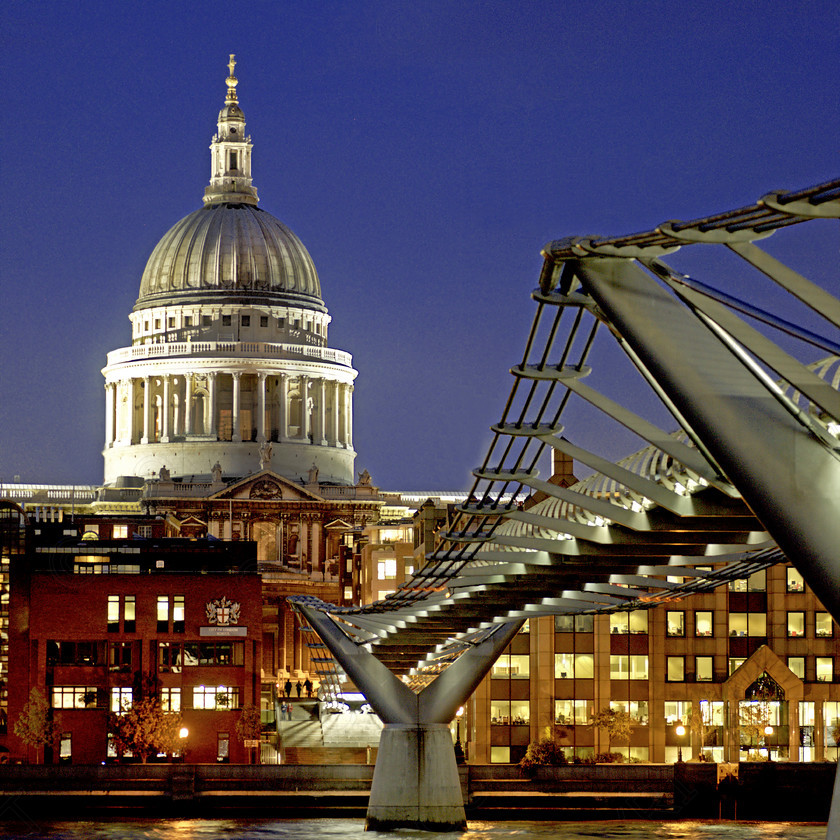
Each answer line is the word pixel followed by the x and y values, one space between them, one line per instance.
pixel 173 656
pixel 569 666
pixel 580 712
pixel 121 698
pixel 168 608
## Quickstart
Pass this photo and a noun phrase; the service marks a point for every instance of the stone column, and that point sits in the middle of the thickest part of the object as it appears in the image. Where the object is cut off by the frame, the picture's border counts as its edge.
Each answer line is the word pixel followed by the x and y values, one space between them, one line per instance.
pixel 147 408
pixel 348 433
pixel 189 419
pixel 284 407
pixel 335 425
pixel 261 407
pixel 237 435
pixel 166 408
pixel 213 426
pixel 177 410
pixel 321 430
pixel 109 413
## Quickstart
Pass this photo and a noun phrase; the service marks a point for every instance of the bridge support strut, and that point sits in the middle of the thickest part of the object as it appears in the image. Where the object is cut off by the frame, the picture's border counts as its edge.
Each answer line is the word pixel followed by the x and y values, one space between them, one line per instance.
pixel 415 781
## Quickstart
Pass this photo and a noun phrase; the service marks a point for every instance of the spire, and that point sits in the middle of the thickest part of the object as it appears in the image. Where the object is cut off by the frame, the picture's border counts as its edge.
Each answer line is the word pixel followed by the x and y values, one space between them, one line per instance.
pixel 230 153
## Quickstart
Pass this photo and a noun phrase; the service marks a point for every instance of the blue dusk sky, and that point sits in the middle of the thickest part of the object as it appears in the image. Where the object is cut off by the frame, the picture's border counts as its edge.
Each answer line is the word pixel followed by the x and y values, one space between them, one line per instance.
pixel 424 153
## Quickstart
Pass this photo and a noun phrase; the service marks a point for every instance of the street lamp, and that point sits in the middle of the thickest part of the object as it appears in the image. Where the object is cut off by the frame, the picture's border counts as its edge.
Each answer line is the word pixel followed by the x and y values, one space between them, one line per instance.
pixel 680 730
pixel 459 749
pixel 768 731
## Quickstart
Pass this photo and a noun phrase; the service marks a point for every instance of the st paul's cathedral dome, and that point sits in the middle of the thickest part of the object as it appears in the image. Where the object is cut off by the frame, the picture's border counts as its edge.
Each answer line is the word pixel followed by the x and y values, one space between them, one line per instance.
pixel 229 369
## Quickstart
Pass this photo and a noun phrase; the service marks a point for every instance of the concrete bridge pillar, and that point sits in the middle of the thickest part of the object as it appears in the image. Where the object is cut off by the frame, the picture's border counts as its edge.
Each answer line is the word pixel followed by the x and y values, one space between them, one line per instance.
pixel 415 781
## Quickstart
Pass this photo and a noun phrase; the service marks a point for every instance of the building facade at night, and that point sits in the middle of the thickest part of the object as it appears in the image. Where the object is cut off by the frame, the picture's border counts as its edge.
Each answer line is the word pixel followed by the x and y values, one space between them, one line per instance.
pixel 96 625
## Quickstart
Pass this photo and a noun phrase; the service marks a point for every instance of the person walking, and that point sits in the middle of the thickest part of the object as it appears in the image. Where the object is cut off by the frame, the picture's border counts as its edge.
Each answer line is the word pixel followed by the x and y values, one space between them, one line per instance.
pixel 308 688
pixel 288 688
pixel 289 710
pixel 298 688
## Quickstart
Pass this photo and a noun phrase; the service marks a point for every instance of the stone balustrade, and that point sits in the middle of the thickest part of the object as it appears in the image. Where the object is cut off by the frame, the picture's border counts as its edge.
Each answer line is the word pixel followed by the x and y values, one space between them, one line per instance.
pixel 228 349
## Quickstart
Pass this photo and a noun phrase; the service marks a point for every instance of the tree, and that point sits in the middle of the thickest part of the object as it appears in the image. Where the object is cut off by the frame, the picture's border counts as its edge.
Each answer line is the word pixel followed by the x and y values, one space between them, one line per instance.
pixel 145 729
pixel 34 726
pixel 615 722
pixel 249 724
pixel 755 718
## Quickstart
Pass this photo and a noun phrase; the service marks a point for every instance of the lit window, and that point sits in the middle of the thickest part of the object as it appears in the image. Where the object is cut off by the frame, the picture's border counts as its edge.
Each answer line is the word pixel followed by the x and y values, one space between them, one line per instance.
pixel 619 623
pixel 120 532
pixel 637 709
pixel 675 623
pixel 387 569
pixel 797 666
pixel 823 628
pixel 676 710
pixel 572 712
pixel 74 697
pixel 757 624
pixel 735 662
pixel 704 669
pixel 170 699
pixel 512 665
pixel 795 581
pixel 703 623
pixel 129 614
pixel 825 669
pixel 757 581
pixel 638 621
pixel 163 613
pixel 638 667
pixel 795 624
pixel 676 669
pixel 113 613
pixel 215 697
pixel 121 699
pixel 178 613
pixel 574 665
pixel 574 623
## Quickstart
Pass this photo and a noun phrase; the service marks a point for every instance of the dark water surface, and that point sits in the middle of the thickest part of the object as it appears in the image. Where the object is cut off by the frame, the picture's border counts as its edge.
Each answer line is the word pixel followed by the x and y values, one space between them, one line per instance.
pixel 348 829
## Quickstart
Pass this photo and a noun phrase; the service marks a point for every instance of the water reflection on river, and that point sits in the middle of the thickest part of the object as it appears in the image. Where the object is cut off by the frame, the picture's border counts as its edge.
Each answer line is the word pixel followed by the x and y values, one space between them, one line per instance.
pixel 346 829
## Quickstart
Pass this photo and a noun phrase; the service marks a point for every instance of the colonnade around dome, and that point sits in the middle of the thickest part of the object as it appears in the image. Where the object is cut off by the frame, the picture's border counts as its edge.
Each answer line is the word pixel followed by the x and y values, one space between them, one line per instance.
pixel 225 406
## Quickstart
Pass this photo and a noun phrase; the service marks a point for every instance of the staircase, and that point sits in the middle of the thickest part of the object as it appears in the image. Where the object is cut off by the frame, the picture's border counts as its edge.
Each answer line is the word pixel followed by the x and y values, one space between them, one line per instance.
pixel 336 739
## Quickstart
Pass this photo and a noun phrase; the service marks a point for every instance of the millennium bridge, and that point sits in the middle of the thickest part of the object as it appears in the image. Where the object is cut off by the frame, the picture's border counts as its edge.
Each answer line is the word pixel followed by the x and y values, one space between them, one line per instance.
pixel 741 471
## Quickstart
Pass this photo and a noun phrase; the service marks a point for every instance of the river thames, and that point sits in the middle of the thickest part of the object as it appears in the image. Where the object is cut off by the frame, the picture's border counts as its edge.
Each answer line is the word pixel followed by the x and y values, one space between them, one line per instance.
pixel 353 829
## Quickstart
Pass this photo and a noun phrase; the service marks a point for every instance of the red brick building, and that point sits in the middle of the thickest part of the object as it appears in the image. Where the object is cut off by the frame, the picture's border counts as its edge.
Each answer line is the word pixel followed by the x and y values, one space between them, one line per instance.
pixel 95 625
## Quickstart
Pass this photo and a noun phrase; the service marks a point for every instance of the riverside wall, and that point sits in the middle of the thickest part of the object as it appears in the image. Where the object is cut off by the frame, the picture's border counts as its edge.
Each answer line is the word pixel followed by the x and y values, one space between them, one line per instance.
pixel 760 790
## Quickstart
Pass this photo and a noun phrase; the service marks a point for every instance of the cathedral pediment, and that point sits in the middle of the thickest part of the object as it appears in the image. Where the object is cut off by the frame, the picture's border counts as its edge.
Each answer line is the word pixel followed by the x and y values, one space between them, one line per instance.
pixel 267 486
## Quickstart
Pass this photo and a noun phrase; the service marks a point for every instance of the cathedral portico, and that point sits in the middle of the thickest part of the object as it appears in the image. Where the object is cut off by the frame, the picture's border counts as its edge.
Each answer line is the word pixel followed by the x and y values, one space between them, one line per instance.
pixel 229 344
